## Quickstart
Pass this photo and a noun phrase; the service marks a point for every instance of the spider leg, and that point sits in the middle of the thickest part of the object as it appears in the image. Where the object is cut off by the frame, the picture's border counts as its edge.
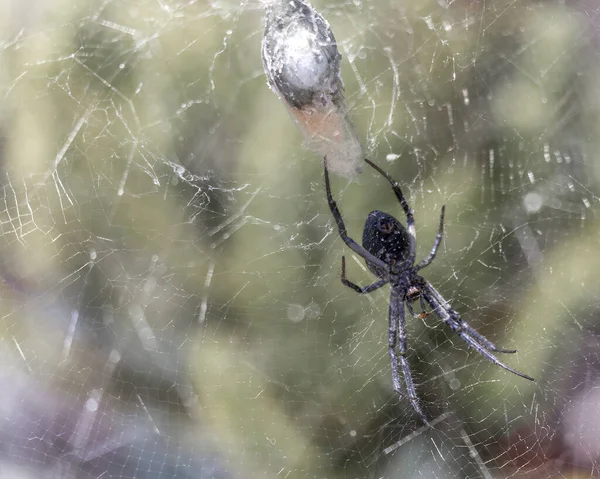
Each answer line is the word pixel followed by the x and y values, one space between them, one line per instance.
pixel 423 308
pixel 484 352
pixel 411 310
pixel 480 338
pixel 353 245
pixel 465 336
pixel 438 239
pixel 462 324
pixel 423 313
pixel 410 220
pixel 397 337
pixel 367 289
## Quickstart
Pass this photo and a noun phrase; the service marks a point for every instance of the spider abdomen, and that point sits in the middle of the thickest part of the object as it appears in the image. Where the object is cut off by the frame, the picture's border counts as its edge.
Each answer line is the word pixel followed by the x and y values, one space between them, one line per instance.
pixel 385 238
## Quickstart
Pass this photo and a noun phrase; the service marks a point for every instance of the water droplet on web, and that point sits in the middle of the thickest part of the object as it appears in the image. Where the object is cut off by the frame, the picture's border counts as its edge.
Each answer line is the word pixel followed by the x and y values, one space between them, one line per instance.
pixel 91 404
pixel 115 356
pixel 392 157
pixel 454 384
pixel 295 313
pixel 533 202
pixel 93 254
pixel 547 152
pixel 465 94
pixel 429 22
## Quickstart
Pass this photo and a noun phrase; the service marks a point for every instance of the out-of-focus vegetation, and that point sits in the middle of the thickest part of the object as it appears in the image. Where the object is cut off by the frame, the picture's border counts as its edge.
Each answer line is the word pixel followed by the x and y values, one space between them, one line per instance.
pixel 167 251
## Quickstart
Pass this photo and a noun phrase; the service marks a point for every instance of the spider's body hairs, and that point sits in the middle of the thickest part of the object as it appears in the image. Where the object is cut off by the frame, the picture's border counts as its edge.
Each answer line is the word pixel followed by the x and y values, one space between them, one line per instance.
pixel 389 250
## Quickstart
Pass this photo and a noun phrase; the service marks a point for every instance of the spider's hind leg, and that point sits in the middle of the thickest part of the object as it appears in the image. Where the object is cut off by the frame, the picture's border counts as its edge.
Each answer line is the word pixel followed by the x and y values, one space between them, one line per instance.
pixel 489 356
pixel 474 339
pixel 398 349
pixel 480 338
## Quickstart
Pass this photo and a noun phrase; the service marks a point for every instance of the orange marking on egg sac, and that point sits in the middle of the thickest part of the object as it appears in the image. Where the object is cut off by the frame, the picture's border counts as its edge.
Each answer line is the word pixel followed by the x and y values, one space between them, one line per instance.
pixel 320 125
pixel 328 131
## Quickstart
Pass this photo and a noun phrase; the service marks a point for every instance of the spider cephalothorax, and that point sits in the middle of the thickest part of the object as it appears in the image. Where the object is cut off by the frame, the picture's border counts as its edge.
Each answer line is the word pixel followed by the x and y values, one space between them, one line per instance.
pixel 389 250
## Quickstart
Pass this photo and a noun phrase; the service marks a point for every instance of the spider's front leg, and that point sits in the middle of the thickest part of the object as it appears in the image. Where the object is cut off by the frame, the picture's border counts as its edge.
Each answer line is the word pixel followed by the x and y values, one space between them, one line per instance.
pixel 337 216
pixel 438 239
pixel 363 290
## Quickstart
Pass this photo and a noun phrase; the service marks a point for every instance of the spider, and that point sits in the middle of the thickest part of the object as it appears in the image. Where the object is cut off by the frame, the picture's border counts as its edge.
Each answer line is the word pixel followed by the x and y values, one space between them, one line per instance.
pixel 389 250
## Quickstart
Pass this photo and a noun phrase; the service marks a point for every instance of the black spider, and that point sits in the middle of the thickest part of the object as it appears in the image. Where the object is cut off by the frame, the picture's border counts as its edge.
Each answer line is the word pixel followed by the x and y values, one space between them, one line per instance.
pixel 389 251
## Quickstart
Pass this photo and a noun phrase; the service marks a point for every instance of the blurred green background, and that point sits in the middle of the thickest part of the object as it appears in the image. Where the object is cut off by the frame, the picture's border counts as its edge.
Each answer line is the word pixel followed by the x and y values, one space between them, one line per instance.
pixel 159 204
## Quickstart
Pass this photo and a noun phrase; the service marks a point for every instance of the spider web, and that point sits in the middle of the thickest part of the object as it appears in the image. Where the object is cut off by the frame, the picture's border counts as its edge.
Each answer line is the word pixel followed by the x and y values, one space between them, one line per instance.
pixel 171 303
